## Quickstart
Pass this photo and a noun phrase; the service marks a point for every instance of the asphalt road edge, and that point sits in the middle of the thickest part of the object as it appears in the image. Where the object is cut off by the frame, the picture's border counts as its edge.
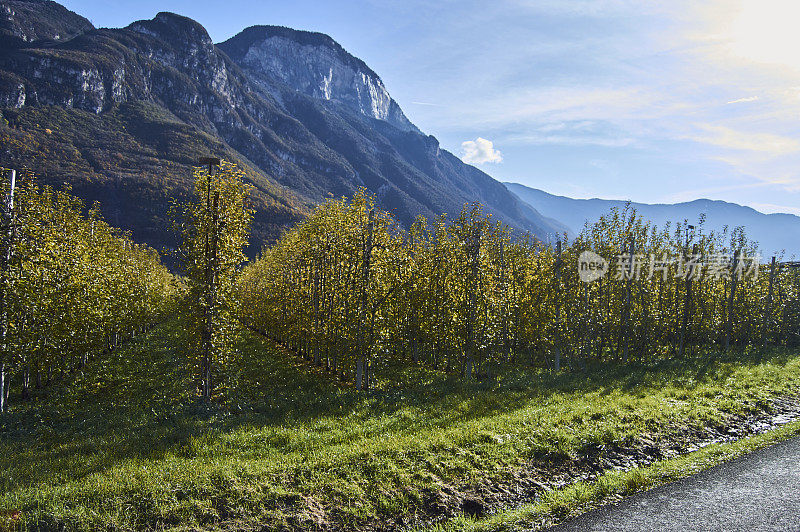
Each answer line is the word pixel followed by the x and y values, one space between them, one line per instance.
pixel 556 506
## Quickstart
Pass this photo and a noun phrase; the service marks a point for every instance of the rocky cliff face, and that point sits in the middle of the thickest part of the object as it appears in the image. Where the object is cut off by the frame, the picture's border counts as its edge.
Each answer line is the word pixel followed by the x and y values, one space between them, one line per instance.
pixel 25 21
pixel 182 44
pixel 315 65
pixel 170 58
pixel 309 119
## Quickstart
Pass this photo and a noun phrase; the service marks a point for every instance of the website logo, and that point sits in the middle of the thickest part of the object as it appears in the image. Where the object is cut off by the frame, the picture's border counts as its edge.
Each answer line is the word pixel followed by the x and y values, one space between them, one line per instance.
pixel 591 266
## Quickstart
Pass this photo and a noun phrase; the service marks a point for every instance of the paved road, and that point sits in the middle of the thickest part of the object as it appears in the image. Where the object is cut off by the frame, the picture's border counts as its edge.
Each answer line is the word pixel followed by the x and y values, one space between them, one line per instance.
pixel 759 491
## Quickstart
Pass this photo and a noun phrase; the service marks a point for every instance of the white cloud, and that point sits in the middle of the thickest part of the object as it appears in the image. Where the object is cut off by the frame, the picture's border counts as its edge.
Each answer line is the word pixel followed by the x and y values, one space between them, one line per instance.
pixel 726 137
pixel 710 192
pixel 743 100
pixel 605 166
pixel 634 78
pixel 573 140
pixel 765 31
pixel 480 151
pixel 590 8
pixel 554 104
pixel 771 208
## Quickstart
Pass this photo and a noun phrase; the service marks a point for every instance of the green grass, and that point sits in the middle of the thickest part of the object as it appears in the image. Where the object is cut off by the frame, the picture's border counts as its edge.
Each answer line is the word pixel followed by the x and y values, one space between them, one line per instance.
pixel 125 446
pixel 580 497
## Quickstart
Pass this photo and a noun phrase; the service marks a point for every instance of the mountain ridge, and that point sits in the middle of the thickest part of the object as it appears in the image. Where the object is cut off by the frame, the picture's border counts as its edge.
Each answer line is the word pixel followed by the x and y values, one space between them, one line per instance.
pixel 268 53
pixel 20 22
pixel 774 232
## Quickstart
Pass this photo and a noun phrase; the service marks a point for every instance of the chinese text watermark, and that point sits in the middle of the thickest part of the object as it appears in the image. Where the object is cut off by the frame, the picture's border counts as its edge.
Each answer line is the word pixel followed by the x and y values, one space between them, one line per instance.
pixel 592 266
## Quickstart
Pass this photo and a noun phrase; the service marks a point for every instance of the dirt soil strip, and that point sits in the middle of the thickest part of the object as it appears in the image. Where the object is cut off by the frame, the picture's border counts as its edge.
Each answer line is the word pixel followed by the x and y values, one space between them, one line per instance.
pixel 530 482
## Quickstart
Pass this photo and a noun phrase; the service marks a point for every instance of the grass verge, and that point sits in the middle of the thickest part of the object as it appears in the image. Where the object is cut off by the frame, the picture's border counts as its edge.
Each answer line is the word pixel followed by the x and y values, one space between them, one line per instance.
pixel 125 445
pixel 558 505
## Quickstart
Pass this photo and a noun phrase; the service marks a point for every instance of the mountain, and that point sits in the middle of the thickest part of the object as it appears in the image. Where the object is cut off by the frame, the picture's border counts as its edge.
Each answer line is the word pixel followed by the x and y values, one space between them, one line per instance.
pixel 25 21
pixel 121 114
pixel 315 65
pixel 773 232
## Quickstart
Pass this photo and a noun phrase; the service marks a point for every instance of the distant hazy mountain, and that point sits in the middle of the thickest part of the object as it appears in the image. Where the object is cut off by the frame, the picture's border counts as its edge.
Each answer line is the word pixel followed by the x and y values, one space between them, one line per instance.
pixel 774 232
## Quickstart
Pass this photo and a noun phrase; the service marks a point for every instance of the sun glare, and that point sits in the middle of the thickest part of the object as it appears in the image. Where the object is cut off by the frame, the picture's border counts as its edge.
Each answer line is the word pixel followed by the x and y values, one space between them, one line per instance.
pixel 766 31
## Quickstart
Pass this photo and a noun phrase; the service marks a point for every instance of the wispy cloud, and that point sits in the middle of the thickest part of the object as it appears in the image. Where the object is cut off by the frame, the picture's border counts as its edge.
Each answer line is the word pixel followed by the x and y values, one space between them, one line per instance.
pixel 693 95
pixel 563 103
pixel 602 133
pixel 726 137
pixel 588 8
pixel 427 103
pixel 743 100
pixel 572 140
pixel 480 151
pixel 771 208
pixel 778 172
pixel 709 192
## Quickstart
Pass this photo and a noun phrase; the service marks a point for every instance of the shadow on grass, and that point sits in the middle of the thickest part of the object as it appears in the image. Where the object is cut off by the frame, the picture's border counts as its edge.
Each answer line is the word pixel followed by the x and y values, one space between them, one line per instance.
pixel 138 405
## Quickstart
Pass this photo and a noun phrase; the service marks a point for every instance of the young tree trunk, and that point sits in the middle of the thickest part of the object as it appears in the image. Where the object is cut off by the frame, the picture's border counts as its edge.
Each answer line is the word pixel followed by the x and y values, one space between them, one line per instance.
pixel 211 278
pixel 359 372
pixel 601 305
pixel 469 351
pixel 26 376
pixel 362 310
pixel 5 256
pixel 644 343
pixel 586 341
pixel 627 310
pixel 768 306
pixel 731 296
pixel 687 301
pixel 557 364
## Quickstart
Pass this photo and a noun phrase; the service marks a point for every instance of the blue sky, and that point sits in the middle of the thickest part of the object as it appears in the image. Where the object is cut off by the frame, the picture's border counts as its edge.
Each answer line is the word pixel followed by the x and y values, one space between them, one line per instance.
pixel 625 99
